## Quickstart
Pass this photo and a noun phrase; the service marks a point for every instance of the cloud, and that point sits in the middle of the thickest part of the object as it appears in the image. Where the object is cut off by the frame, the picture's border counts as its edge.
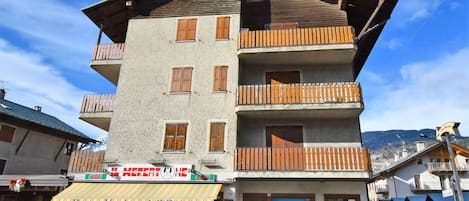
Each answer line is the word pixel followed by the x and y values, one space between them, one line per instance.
pixel 393 44
pixel 414 10
pixel 52 28
pixel 29 81
pixel 428 94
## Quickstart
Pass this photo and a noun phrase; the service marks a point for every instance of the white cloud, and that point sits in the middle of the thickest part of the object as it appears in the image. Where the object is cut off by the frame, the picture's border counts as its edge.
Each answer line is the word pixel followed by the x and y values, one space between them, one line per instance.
pixel 429 94
pixel 54 29
pixel 393 44
pixel 413 10
pixel 29 81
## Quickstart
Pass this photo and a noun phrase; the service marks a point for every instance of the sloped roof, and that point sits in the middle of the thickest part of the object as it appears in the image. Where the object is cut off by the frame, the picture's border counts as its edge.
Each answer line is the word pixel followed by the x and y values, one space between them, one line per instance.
pixel 22 116
pixel 398 164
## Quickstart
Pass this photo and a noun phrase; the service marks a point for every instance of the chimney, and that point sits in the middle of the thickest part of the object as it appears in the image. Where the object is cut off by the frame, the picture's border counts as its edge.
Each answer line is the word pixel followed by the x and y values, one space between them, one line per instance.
pixel 2 93
pixel 37 108
pixel 420 145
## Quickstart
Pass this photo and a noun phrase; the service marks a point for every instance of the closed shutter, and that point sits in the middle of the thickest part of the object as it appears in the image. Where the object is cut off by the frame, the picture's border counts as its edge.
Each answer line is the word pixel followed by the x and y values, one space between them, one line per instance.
pixel 6 133
pixel 176 80
pixel 220 78
pixel 186 80
pixel 181 137
pixel 223 28
pixel 170 137
pixel 186 29
pixel 217 136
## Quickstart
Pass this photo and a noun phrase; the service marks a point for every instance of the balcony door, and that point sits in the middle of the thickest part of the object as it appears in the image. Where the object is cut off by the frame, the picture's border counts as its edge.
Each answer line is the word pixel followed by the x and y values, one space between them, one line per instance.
pixel 287 144
pixel 281 93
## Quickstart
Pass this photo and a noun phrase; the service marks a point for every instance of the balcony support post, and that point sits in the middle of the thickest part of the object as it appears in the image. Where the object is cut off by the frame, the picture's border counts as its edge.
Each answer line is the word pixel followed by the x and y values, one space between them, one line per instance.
pixel 100 34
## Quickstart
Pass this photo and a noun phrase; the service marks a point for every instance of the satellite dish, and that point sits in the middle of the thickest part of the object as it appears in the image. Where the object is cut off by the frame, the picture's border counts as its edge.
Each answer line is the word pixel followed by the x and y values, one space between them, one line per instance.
pixel 447 128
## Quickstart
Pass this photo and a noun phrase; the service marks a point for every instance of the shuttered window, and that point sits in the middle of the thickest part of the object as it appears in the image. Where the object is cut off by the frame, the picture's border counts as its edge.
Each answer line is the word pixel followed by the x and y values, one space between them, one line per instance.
pixel 6 133
pixel 219 78
pixel 223 28
pixel 186 29
pixel 181 79
pixel 217 137
pixel 175 137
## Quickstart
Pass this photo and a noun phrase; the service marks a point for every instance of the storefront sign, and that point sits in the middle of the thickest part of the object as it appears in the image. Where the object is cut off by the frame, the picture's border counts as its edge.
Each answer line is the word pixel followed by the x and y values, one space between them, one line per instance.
pixel 203 177
pixel 95 176
pixel 147 172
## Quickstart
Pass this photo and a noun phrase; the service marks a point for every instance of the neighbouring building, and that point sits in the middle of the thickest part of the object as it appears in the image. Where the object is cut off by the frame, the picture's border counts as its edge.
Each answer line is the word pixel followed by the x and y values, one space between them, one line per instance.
pixel 35 150
pixel 424 174
pixel 246 100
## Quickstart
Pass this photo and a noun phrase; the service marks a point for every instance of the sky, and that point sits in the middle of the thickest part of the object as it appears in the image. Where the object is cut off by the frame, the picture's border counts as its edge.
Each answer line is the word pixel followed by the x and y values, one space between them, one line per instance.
pixel 417 75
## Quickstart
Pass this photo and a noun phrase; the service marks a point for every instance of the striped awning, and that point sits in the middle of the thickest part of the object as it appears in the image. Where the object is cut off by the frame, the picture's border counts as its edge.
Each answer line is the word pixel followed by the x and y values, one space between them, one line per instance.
pixel 138 192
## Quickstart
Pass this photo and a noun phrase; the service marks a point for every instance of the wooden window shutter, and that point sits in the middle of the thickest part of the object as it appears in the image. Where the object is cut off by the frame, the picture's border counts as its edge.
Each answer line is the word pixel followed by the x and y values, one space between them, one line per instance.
pixel 186 80
pixel 217 137
pixel 191 29
pixel 223 28
pixel 182 29
pixel 220 78
pixel 176 81
pixel 181 137
pixel 6 133
pixel 170 137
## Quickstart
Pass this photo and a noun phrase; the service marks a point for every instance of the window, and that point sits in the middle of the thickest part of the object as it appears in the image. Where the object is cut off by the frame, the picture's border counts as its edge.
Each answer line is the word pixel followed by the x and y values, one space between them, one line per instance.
pixel 6 133
pixel 341 197
pixel 68 148
pixel 186 29
pixel 175 137
pixel 181 80
pixel 219 78
pixel 419 162
pixel 217 137
pixel 2 166
pixel 223 28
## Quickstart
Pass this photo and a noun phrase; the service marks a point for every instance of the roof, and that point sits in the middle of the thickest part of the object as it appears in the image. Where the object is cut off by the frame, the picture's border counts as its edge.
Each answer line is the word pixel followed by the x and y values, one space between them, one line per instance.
pixel 395 166
pixel 22 116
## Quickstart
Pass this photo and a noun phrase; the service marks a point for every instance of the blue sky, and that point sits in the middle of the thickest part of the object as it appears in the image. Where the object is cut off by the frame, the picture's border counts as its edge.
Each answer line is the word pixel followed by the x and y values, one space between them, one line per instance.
pixel 416 77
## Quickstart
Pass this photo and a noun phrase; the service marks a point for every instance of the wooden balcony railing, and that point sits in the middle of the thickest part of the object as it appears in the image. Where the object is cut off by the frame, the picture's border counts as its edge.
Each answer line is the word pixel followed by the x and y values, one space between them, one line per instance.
pixel 347 92
pixel 445 167
pixel 296 37
pixel 97 103
pixel 302 159
pixel 86 161
pixel 108 51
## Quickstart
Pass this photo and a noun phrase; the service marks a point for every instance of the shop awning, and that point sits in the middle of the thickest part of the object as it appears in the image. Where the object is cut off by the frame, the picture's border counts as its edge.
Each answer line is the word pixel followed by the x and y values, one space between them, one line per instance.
pixel 139 192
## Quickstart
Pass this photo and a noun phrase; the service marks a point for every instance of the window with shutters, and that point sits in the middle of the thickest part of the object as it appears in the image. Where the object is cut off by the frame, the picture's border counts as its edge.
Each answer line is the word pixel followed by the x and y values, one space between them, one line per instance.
pixel 223 28
pixel 181 79
pixel 175 137
pixel 219 78
pixel 186 29
pixel 217 137
pixel 6 133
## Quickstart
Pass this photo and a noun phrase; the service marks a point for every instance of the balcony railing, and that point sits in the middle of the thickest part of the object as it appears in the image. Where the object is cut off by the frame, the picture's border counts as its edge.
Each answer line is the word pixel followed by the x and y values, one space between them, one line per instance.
pixel 381 188
pixel 86 161
pixel 296 37
pixel 108 51
pixel 445 167
pixel 97 103
pixel 302 159
pixel 347 92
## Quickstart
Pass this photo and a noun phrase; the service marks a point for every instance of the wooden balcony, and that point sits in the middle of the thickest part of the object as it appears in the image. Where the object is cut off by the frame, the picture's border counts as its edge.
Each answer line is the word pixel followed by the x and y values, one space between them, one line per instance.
pixel 344 98
pixel 300 46
pixel 336 159
pixel 97 110
pixel 86 161
pixel 107 59
pixel 436 167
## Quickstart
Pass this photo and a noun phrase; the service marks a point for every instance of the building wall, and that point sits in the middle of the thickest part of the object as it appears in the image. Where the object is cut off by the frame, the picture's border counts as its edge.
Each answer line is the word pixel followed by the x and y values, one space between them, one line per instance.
pixel 143 103
pixel 304 187
pixel 36 155
pixel 255 74
pixel 330 132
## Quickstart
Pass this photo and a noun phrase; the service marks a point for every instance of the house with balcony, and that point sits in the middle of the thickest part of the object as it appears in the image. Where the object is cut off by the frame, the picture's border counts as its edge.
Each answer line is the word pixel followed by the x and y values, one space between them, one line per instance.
pixel 232 99
pixel 425 173
pixel 35 150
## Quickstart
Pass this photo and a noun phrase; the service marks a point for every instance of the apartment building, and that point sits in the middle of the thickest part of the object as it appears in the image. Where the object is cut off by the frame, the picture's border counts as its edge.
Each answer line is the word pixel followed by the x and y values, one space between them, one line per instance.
pixel 426 173
pixel 35 150
pixel 232 100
